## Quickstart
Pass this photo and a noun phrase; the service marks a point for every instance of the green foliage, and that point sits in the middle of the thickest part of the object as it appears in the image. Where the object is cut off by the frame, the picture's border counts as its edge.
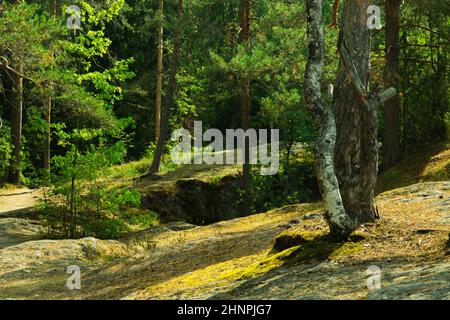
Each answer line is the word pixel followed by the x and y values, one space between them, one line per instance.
pixel 102 84
pixel 5 150
pixel 423 71
pixel 144 220
pixel 294 183
pixel 78 203
pixel 25 35
pixel 128 197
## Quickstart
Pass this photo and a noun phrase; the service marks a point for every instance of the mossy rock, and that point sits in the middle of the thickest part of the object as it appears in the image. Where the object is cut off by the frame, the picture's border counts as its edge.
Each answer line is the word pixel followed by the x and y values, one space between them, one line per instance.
pixel 294 247
pixel 440 173
pixel 315 245
pixel 346 249
pixel 323 248
pixel 357 237
pixel 448 245
pixel 292 238
pixel 267 264
pixel 289 239
pixel 319 248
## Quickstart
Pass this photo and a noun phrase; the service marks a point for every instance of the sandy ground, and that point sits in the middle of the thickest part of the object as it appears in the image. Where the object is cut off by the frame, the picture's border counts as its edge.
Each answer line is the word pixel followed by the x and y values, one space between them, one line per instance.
pixel 17 201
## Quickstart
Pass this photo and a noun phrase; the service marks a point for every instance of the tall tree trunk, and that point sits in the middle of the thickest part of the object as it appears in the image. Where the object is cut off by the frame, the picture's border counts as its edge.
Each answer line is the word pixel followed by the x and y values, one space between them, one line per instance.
pixel 53 7
pixel 159 73
pixel 48 112
pixel 47 140
pixel 338 220
pixel 405 86
pixel 16 125
pixel 391 144
pixel 356 151
pixel 169 100
pixel 356 112
pixel 244 92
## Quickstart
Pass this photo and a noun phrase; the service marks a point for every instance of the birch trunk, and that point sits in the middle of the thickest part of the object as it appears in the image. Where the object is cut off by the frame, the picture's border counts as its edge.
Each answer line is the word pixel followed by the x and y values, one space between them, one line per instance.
pixel 340 223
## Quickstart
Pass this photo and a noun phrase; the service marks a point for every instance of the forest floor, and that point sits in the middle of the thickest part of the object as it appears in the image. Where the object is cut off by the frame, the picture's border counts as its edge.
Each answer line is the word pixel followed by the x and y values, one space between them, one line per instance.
pixel 280 254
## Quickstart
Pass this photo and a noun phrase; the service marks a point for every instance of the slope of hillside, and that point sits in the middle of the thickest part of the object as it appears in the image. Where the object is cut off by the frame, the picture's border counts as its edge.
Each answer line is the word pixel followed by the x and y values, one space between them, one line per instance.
pixel 281 254
pixel 427 163
pixel 235 259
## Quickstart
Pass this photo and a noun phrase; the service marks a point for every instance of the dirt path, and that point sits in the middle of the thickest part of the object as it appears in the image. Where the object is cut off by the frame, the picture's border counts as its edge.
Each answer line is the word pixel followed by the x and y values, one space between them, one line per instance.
pixel 15 202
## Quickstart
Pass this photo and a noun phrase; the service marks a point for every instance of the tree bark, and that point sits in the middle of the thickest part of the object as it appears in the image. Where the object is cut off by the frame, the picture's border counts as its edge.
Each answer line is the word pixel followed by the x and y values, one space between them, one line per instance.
pixel 169 100
pixel 339 222
pixel 391 143
pixel 244 92
pixel 16 125
pixel 47 139
pixel 356 112
pixel 53 7
pixel 48 112
pixel 159 73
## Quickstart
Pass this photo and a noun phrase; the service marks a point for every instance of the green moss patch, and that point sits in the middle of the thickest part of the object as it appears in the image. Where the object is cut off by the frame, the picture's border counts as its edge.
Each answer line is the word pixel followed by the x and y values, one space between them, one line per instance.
pixel 448 244
pixel 289 239
pixel 440 173
pixel 297 247
pixel 267 264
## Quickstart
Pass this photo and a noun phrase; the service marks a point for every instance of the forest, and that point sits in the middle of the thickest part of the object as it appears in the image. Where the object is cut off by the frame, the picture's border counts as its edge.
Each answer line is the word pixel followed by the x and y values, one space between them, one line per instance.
pixel 229 145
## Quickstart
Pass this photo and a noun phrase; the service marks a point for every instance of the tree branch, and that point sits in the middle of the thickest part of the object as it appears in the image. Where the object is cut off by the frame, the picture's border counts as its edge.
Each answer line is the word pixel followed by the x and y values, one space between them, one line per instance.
pixel 381 98
pixel 4 63
pixel 357 85
pixel 352 73
pixel 413 25
pixel 334 24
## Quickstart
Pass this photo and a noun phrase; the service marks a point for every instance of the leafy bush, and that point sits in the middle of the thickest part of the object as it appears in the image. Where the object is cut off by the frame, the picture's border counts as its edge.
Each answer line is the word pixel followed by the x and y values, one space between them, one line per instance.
pixel 5 149
pixel 78 203
pixel 144 220
pixel 295 183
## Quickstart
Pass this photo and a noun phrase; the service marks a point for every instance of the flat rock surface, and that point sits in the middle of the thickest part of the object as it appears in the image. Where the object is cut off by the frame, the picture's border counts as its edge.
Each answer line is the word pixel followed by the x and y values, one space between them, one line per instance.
pixel 14 231
pixel 182 261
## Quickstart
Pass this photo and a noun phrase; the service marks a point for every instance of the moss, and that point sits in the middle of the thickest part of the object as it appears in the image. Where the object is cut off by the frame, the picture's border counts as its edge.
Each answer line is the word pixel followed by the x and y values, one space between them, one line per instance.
pixel 8 186
pixel 267 264
pixel 292 238
pixel 318 249
pixel 307 246
pixel 447 247
pixel 289 239
pixel 297 247
pixel 347 249
pixel 214 180
pixel 357 236
pixel 440 172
